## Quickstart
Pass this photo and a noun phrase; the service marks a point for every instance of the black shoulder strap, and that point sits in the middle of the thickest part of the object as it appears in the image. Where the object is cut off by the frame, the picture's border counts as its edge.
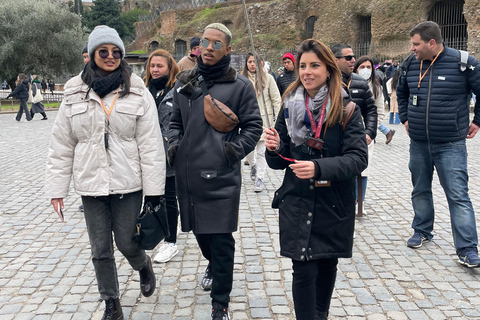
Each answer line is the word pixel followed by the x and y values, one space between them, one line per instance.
pixel 406 63
pixel 202 84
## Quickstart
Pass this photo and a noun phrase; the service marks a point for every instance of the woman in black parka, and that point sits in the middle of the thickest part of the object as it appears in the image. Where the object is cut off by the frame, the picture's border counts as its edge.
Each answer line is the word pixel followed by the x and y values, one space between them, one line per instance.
pixel 317 198
pixel 21 93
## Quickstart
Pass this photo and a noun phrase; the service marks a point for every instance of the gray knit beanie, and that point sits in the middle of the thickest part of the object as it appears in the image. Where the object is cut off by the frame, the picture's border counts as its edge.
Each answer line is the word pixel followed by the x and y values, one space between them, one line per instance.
pixel 104 35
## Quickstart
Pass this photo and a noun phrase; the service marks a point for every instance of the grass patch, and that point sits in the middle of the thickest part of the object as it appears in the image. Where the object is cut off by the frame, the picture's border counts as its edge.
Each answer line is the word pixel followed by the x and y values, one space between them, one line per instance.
pixel 16 106
pixel 138 52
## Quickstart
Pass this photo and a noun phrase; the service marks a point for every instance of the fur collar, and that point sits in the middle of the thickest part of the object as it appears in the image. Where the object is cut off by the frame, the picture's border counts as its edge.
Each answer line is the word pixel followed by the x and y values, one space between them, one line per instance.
pixel 187 77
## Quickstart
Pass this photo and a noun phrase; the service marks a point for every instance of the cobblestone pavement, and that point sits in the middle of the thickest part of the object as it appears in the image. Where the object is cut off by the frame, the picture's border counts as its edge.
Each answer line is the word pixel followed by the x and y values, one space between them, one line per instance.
pixel 46 272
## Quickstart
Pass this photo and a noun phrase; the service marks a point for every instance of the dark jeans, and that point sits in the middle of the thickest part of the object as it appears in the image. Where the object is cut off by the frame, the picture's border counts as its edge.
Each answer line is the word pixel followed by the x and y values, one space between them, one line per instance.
pixel 172 209
pixel 312 286
pixel 103 215
pixel 219 250
pixel 450 161
pixel 23 108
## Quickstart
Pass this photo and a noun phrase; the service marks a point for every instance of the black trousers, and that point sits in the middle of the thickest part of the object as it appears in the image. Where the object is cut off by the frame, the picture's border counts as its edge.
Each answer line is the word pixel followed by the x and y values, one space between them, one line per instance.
pixel 312 286
pixel 172 209
pixel 219 250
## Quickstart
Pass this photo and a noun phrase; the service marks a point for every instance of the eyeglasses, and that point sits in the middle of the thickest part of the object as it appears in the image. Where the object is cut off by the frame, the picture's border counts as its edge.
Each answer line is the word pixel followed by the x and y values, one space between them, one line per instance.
pixel 217 45
pixel 348 58
pixel 104 53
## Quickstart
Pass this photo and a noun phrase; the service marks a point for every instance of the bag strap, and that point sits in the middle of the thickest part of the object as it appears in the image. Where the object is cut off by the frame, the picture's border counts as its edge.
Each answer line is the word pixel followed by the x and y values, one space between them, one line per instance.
pixel 202 84
pixel 349 109
pixel 463 60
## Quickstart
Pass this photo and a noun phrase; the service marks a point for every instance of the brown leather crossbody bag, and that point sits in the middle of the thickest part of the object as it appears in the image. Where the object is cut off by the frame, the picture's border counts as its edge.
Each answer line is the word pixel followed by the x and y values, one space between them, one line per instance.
pixel 217 114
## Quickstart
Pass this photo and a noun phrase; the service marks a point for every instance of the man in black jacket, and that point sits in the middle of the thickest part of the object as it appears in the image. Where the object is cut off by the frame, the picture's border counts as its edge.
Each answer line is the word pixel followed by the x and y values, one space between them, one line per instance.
pixel 288 75
pixel 360 94
pixel 207 161
pixel 433 103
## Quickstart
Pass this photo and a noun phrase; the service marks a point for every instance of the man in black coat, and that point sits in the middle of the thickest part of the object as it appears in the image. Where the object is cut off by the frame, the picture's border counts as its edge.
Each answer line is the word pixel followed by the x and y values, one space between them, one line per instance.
pixel 288 75
pixel 207 161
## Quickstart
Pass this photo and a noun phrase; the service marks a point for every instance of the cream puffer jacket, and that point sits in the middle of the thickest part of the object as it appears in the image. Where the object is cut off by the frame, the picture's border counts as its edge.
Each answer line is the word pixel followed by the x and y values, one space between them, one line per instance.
pixel 273 102
pixel 134 159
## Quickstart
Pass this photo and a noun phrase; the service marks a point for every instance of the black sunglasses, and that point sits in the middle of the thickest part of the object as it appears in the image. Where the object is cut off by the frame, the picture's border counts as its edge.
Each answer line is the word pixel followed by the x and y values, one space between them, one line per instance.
pixel 217 45
pixel 348 58
pixel 104 53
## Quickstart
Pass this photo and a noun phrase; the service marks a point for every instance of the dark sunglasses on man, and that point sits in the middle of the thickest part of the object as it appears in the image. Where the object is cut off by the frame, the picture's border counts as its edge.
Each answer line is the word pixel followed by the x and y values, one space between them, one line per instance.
pixel 217 45
pixel 348 58
pixel 104 53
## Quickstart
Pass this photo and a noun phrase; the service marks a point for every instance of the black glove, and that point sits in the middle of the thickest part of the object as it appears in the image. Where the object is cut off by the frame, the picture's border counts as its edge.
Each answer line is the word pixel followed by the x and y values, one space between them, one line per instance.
pixel 172 151
pixel 153 200
pixel 231 154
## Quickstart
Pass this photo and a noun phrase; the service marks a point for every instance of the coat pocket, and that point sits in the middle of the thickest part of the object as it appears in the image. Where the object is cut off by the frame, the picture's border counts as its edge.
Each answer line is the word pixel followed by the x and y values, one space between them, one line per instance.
pixel 276 198
pixel 208 174
pixel 80 120
pixel 125 122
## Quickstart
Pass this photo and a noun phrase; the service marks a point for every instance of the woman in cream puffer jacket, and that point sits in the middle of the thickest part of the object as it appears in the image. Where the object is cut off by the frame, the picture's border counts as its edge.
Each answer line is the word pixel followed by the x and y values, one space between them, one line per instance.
pixel 106 135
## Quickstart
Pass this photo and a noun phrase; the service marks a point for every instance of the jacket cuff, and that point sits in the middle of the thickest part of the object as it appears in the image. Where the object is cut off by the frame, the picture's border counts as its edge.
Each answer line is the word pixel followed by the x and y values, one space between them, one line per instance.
pixel 318 171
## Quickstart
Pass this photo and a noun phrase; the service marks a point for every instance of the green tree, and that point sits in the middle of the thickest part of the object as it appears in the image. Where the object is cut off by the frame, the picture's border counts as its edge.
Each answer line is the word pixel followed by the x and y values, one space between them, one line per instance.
pixel 39 37
pixel 105 12
pixel 129 18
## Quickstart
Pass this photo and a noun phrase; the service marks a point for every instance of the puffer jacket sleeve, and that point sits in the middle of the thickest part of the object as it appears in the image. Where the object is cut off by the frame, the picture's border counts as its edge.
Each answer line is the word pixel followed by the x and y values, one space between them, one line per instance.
pixel 473 79
pixel 369 111
pixel 353 159
pixel 251 123
pixel 60 157
pixel 175 128
pixel 150 149
pixel 403 93
pixel 274 95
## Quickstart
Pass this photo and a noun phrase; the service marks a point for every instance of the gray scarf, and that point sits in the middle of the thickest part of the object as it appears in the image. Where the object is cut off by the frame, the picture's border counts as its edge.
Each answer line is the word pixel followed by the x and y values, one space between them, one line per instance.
pixel 295 111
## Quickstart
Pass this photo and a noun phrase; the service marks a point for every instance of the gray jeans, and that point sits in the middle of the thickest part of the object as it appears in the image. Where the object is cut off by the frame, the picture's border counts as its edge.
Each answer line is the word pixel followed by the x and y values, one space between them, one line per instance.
pixel 103 215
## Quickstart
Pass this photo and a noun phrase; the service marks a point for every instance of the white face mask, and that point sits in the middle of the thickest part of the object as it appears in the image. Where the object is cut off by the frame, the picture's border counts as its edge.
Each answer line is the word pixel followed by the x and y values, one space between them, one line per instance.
pixel 365 73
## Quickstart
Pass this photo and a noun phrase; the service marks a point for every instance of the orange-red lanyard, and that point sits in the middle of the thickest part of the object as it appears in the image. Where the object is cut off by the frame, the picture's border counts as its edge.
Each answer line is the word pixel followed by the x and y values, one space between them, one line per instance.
pixel 425 73
pixel 108 112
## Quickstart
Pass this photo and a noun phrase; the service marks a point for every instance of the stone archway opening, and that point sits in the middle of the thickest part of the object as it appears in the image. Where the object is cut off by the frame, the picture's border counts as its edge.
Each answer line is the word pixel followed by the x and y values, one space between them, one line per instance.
pixel 449 16
pixel 310 26
pixel 154 45
pixel 180 49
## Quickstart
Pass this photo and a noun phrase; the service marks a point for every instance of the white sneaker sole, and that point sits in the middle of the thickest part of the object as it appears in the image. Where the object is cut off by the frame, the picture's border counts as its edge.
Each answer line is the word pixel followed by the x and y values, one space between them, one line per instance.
pixel 158 260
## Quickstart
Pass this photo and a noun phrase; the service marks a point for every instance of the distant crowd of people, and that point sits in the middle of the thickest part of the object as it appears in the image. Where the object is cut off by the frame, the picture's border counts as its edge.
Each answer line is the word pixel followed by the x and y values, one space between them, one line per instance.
pixel 178 136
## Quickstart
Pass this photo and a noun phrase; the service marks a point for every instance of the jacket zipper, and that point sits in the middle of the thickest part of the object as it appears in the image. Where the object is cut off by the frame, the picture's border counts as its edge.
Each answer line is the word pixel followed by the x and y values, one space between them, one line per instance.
pixel 427 111
pixel 191 216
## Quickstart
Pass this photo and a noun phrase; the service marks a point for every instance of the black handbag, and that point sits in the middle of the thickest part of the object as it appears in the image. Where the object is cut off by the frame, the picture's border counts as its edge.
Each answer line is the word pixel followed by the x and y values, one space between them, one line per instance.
pixel 152 225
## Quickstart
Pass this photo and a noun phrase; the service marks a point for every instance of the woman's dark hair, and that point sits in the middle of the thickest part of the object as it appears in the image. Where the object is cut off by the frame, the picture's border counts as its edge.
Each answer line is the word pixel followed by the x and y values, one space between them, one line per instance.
pixel 374 79
pixel 261 77
pixel 92 71
pixel 393 84
pixel 21 77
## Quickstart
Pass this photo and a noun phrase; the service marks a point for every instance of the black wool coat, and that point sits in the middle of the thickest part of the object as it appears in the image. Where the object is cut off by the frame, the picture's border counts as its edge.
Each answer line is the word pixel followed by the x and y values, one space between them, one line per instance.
pixel 208 185
pixel 318 222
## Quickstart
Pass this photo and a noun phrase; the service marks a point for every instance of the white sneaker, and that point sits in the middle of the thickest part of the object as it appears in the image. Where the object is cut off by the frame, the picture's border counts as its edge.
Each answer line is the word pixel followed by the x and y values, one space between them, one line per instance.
pixel 258 186
pixel 166 251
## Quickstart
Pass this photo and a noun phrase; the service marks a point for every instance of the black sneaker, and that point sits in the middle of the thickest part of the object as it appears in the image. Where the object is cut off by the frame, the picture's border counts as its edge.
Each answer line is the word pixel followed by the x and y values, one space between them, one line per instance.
pixel 207 280
pixel 417 240
pixel 220 314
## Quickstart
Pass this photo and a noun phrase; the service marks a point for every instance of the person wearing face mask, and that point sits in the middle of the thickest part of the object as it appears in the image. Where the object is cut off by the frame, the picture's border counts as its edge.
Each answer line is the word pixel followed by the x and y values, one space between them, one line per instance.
pixel 364 67
pixel 189 61
pixel 160 78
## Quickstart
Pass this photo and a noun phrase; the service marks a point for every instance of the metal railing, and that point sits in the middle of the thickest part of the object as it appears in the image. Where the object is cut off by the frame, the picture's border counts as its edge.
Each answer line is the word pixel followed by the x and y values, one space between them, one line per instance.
pixel 13 104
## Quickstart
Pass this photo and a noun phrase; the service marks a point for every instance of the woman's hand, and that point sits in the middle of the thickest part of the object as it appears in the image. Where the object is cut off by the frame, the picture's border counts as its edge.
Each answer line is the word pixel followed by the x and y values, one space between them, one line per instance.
pixel 303 169
pixel 272 139
pixel 57 204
